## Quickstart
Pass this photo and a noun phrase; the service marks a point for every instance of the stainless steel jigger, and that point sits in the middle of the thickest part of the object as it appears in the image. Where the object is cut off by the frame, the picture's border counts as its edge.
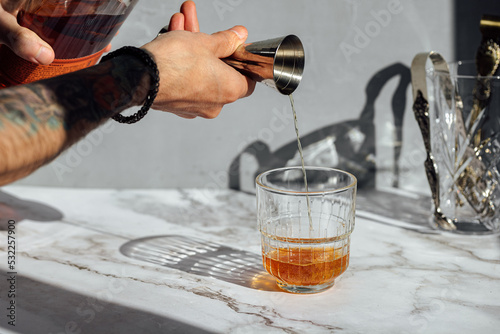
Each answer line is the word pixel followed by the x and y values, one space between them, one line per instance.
pixel 277 62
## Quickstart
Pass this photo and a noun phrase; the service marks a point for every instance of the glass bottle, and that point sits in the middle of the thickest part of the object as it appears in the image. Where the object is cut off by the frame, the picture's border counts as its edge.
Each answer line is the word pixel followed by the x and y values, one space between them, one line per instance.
pixel 77 30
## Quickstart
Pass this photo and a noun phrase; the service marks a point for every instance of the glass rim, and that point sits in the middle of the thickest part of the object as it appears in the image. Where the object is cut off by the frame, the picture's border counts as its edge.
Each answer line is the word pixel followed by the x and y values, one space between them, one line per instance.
pixel 310 193
pixel 465 76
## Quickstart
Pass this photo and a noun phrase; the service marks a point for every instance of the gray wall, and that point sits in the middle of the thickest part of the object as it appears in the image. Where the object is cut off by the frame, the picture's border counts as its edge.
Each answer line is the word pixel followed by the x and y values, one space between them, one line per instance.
pixel 347 42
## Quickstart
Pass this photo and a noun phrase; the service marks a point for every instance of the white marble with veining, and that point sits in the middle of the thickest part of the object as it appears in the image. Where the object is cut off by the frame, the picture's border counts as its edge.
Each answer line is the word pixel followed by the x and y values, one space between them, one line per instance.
pixel 77 274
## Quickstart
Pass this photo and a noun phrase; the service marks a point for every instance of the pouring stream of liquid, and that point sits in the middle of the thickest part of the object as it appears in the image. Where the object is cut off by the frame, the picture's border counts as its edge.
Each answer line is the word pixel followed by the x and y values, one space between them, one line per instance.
pixel 302 161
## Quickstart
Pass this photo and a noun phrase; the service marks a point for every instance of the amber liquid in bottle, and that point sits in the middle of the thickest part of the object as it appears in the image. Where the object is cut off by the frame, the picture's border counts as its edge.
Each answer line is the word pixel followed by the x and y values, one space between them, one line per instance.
pixel 76 29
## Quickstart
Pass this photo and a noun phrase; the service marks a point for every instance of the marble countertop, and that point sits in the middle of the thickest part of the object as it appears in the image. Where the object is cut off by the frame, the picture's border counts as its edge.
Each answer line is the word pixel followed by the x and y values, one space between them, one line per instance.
pixel 95 261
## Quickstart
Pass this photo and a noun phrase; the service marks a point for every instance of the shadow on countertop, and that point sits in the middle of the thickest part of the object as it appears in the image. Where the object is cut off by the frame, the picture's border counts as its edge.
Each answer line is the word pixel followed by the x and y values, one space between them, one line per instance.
pixel 18 209
pixel 44 308
pixel 413 210
pixel 203 258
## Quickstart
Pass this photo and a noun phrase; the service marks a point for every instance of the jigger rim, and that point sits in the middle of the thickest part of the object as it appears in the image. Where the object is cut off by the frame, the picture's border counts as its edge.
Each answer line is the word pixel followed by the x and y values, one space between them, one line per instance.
pixel 294 77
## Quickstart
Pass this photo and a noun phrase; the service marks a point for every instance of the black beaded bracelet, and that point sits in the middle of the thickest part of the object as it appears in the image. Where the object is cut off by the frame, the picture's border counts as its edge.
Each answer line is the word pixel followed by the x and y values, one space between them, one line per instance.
pixel 147 59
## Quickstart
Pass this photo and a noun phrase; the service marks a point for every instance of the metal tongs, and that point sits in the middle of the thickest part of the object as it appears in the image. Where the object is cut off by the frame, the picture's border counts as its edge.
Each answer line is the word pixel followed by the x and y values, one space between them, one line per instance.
pixel 471 166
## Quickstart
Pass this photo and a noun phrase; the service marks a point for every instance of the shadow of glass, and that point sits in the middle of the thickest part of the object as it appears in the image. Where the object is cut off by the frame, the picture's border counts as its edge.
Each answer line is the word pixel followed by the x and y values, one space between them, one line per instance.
pixel 17 209
pixel 203 258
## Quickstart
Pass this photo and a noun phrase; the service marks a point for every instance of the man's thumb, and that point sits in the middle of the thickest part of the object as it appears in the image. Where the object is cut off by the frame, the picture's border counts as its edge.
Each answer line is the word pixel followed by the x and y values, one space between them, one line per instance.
pixel 26 44
pixel 227 41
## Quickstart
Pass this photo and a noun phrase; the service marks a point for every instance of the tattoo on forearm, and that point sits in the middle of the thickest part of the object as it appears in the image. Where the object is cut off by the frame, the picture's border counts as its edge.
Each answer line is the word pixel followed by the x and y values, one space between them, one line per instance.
pixel 91 95
pixel 44 118
pixel 94 97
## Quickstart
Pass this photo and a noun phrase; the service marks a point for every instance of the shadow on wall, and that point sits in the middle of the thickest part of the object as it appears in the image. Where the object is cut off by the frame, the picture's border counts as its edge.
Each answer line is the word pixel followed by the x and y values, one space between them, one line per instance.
pixel 350 145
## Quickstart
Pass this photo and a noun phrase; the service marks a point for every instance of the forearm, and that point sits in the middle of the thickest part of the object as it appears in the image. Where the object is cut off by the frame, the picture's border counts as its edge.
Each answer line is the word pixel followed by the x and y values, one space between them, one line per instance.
pixel 40 120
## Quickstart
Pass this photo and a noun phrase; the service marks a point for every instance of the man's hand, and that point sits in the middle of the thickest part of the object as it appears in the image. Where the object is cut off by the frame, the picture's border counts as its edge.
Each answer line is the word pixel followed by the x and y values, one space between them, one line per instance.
pixel 194 81
pixel 24 42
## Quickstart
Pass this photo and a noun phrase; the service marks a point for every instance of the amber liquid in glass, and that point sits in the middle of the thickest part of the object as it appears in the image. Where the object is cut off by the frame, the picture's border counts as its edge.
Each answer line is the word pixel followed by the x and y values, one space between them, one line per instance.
pixel 304 266
pixel 77 30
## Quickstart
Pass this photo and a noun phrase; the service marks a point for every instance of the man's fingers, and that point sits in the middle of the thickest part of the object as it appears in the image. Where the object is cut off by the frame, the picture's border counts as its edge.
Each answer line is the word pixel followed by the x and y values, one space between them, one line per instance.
pixel 24 42
pixel 237 84
pixel 226 42
pixel 176 22
pixel 12 6
pixel 29 46
pixel 247 86
pixel 188 8
pixel 250 86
